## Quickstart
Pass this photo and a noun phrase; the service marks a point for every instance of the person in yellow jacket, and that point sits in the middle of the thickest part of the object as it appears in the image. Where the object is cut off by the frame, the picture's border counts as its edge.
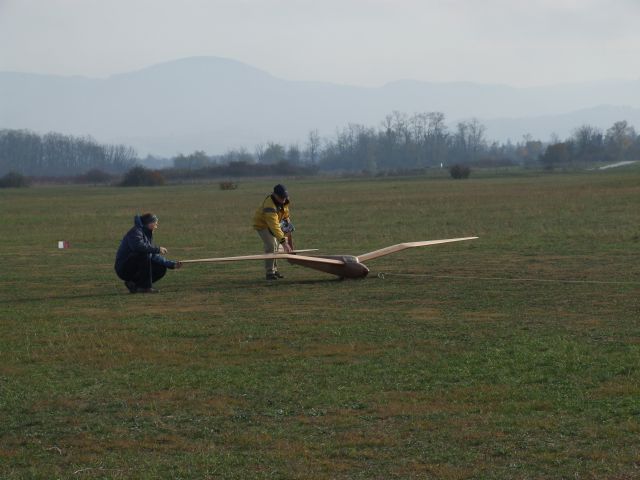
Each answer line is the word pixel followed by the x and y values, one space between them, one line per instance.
pixel 266 221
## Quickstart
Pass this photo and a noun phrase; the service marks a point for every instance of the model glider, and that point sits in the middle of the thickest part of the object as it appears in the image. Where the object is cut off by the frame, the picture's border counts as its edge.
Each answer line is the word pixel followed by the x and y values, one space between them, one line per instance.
pixel 343 266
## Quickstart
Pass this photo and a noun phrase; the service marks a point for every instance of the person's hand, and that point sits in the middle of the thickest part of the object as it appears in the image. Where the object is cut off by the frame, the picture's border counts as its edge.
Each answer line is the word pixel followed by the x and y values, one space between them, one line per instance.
pixel 287 247
pixel 178 264
pixel 163 251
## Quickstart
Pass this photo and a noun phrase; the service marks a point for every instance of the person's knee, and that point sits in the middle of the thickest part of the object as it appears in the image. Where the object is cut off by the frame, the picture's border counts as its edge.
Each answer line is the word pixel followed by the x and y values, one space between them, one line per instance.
pixel 159 271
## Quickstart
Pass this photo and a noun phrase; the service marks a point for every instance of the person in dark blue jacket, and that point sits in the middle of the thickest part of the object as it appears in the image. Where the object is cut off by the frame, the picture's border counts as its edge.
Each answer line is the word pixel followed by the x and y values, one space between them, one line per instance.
pixel 138 261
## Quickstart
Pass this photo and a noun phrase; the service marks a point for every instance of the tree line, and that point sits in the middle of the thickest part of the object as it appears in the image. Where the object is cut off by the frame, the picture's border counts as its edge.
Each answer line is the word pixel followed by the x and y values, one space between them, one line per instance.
pixel 590 144
pixel 55 154
pixel 400 143
pixel 424 140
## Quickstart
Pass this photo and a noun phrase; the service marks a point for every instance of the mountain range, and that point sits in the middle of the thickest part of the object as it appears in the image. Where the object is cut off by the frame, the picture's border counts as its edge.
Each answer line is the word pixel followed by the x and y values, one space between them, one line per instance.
pixel 214 104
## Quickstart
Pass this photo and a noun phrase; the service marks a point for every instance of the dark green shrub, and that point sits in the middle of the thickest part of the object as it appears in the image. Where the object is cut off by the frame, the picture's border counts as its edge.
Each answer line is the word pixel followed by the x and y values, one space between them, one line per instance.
pixel 14 180
pixel 459 172
pixel 142 177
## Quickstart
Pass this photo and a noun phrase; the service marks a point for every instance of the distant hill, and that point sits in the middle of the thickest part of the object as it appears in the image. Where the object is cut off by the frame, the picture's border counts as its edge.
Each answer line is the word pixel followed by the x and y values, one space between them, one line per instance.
pixel 212 104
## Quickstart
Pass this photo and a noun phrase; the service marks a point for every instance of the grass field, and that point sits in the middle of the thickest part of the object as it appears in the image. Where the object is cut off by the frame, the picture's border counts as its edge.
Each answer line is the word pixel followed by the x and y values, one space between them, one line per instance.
pixel 514 356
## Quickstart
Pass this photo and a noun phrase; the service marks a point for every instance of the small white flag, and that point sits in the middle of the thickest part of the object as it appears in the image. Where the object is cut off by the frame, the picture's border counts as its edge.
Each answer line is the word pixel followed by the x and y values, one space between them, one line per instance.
pixel 63 244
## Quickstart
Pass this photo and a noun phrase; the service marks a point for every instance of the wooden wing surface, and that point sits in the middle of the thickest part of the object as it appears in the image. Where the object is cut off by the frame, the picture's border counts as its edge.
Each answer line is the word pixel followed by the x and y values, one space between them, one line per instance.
pixel 267 256
pixel 403 246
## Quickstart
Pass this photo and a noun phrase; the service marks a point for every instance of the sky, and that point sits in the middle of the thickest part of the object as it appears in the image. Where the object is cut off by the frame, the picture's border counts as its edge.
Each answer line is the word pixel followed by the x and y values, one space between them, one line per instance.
pixel 357 42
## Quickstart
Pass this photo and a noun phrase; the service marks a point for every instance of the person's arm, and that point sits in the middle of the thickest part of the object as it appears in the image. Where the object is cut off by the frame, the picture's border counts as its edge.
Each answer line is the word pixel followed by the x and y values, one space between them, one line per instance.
pixel 286 215
pixel 271 218
pixel 288 235
pixel 138 243
pixel 165 261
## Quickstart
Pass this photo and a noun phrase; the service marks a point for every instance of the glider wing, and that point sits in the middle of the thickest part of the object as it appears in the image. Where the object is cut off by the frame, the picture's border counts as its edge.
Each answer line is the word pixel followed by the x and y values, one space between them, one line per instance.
pixel 266 256
pixel 402 246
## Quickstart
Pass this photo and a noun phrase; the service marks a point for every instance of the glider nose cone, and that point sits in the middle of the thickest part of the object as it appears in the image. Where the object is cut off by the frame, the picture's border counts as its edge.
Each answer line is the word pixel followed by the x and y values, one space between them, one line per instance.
pixel 357 270
pixel 353 268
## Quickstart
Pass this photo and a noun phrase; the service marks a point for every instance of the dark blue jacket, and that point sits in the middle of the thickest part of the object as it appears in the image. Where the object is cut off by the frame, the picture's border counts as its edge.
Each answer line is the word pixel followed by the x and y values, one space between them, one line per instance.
pixel 139 240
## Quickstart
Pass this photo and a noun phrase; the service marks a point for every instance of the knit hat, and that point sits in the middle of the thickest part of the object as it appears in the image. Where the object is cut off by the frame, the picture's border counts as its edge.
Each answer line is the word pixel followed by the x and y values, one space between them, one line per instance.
pixel 148 218
pixel 281 191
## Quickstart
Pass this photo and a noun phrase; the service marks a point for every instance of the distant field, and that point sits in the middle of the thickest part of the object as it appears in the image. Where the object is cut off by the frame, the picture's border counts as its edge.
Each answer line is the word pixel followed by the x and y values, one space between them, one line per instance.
pixel 513 356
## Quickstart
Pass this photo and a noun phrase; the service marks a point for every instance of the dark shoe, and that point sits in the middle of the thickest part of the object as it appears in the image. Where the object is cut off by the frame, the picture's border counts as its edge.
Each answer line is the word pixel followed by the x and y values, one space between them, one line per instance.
pixel 147 290
pixel 278 274
pixel 131 286
pixel 272 276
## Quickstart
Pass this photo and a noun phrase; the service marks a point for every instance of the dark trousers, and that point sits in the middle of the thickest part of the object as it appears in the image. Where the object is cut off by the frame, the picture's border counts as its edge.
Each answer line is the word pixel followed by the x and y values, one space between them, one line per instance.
pixel 141 270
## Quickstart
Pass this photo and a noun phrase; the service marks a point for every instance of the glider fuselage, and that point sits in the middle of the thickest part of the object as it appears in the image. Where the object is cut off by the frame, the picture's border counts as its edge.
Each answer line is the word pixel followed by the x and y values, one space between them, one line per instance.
pixel 351 268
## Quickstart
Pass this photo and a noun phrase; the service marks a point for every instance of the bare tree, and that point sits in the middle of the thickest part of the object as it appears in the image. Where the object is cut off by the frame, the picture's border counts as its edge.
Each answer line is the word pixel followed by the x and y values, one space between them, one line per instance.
pixel 259 152
pixel 437 134
pixel 619 138
pixel 588 143
pixel 313 147
pixel 293 155
pixel 476 141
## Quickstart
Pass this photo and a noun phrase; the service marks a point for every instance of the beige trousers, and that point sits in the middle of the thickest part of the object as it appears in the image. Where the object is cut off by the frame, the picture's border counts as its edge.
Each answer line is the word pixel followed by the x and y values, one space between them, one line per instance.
pixel 270 246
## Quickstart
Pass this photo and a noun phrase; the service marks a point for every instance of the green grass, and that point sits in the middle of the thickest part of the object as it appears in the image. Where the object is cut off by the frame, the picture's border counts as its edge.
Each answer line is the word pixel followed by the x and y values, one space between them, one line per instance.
pixel 431 372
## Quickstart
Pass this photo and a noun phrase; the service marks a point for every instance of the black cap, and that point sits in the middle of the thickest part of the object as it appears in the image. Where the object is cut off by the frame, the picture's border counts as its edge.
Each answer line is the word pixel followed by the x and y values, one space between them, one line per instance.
pixel 281 191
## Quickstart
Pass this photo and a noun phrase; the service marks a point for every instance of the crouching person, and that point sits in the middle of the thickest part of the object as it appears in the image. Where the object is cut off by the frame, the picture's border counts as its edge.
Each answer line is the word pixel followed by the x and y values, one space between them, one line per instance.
pixel 138 261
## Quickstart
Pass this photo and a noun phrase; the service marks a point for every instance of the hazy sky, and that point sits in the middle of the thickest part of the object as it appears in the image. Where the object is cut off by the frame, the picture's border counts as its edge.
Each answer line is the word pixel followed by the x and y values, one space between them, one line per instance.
pixel 361 42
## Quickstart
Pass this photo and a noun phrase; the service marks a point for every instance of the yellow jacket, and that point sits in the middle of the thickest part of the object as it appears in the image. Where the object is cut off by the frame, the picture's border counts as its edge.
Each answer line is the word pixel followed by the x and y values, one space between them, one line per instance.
pixel 269 215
